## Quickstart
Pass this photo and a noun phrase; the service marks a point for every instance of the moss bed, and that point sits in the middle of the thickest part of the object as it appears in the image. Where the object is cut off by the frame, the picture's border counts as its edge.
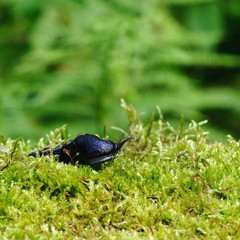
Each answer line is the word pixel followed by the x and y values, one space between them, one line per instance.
pixel 167 184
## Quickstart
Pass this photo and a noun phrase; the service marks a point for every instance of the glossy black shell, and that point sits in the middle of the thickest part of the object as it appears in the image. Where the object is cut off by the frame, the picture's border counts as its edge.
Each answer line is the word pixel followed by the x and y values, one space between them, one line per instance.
pixel 86 149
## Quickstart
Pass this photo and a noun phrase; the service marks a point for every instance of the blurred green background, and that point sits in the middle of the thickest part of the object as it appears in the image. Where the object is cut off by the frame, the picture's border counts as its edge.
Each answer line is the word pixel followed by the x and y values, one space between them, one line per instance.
pixel 69 61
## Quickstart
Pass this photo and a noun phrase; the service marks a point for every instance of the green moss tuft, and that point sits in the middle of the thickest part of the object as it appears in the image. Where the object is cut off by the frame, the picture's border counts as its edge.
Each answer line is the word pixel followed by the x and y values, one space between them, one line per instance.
pixel 168 183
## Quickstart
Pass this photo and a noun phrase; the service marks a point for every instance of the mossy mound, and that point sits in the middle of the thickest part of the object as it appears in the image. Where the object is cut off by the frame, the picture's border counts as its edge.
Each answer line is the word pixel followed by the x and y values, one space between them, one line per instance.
pixel 167 184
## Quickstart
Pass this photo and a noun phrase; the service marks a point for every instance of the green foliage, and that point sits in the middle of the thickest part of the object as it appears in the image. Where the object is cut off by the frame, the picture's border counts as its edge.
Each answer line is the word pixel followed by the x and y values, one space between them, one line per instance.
pixel 72 61
pixel 168 183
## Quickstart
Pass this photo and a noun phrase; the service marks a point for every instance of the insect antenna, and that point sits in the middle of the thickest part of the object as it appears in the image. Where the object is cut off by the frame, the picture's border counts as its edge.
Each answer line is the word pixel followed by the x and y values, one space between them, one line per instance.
pixel 120 144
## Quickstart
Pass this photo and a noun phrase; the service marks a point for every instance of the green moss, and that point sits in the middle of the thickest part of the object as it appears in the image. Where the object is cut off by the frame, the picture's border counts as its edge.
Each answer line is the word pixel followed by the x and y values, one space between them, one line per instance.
pixel 168 183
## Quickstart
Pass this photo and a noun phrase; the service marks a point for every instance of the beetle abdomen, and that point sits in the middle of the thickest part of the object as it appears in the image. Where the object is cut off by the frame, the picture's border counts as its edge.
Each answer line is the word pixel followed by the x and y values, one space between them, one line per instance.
pixel 90 145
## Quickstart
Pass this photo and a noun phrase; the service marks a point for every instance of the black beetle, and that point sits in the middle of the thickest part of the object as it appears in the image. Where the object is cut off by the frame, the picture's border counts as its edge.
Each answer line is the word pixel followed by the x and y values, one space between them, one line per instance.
pixel 85 149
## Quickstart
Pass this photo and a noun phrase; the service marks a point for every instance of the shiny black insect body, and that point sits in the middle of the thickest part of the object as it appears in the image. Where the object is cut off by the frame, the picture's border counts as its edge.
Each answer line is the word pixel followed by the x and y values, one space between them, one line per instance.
pixel 85 149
